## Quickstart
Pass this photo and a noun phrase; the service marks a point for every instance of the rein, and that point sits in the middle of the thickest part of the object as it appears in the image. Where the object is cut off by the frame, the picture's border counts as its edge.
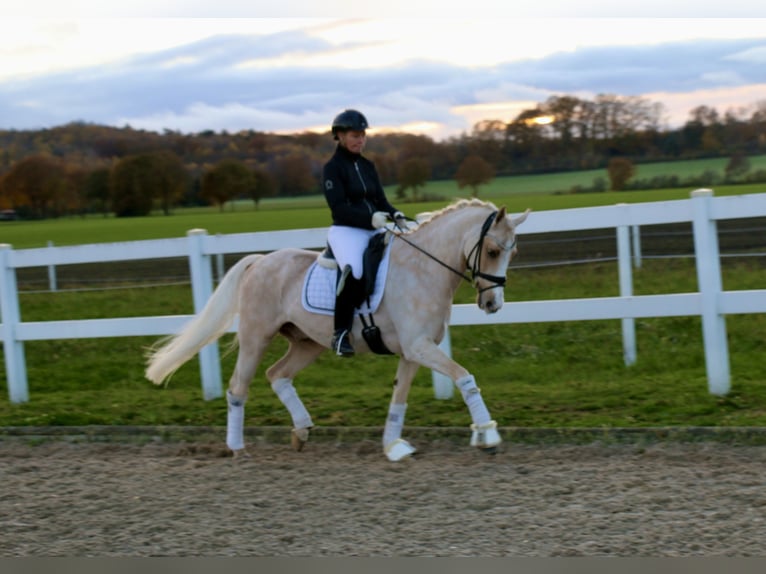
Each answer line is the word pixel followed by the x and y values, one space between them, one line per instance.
pixel 499 281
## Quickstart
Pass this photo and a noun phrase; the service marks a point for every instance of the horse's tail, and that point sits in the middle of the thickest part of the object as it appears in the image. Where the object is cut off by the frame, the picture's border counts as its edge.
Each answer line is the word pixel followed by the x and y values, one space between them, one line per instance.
pixel 169 353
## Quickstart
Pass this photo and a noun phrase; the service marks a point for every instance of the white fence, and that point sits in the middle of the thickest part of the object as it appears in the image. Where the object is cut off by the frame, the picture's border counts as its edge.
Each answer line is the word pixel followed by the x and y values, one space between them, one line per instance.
pixel 710 302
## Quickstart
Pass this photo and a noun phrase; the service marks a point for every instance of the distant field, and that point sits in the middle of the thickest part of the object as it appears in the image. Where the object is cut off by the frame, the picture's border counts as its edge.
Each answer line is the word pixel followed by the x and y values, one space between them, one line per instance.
pixel 515 192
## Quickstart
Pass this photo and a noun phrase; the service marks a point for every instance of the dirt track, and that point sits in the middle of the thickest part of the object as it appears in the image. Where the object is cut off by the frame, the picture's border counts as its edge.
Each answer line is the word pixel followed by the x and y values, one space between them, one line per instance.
pixel 174 499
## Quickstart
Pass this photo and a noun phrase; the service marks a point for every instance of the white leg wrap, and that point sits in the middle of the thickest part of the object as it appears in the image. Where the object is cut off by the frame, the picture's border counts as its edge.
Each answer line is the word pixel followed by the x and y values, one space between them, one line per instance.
pixel 474 402
pixel 235 421
pixel 485 435
pixel 394 423
pixel 286 392
pixel 398 450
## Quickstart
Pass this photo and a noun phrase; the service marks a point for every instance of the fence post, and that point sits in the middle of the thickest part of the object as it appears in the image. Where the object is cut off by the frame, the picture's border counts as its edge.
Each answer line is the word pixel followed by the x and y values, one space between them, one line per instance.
pixel 626 290
pixel 636 232
pixel 202 288
pixel 10 314
pixel 710 286
pixel 443 386
pixel 219 264
pixel 52 283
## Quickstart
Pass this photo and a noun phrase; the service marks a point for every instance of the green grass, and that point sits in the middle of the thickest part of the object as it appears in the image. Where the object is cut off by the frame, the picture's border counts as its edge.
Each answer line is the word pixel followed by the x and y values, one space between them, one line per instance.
pixel 561 374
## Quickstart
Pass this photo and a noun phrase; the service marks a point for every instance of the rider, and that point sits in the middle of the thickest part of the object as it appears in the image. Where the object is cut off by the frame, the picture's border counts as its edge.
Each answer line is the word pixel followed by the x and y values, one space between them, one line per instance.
pixel 359 210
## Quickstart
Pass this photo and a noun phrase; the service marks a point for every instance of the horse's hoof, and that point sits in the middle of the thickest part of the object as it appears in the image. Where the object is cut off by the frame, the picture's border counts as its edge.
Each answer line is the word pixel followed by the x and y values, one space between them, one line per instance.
pixel 298 438
pixel 398 449
pixel 485 436
pixel 240 454
pixel 490 450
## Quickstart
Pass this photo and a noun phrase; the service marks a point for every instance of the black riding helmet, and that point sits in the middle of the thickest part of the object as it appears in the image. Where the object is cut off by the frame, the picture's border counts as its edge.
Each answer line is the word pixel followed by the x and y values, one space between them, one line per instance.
pixel 349 120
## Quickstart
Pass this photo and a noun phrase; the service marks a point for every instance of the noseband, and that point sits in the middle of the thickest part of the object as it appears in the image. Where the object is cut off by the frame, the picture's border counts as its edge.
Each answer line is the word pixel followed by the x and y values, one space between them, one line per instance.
pixel 476 272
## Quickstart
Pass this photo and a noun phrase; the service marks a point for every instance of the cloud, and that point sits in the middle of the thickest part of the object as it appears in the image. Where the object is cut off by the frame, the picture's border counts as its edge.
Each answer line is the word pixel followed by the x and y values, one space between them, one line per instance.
pixel 431 9
pixel 754 55
pixel 270 82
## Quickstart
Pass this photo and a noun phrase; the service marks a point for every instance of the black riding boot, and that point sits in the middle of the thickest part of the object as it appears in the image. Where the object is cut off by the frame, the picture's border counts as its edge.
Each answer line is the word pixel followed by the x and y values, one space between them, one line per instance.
pixel 345 303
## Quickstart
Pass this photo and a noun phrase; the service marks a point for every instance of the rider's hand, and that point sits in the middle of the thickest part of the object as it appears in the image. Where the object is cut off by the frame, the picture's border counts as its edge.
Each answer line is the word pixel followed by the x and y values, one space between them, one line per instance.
pixel 379 219
pixel 400 220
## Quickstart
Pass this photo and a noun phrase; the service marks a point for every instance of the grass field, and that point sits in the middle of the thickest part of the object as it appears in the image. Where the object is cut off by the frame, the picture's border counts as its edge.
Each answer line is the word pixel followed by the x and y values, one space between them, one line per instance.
pixel 537 375
pixel 302 213
pixel 548 374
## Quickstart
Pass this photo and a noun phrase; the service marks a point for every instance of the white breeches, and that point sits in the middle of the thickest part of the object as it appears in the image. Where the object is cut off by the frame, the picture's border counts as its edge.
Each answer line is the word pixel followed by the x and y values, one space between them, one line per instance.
pixel 348 245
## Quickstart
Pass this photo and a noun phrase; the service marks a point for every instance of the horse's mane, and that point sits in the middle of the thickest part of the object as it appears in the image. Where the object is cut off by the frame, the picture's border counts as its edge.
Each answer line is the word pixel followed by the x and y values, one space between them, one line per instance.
pixel 428 217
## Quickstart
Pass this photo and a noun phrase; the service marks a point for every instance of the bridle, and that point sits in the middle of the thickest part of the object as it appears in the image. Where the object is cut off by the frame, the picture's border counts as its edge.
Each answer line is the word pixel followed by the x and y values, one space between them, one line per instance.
pixel 476 272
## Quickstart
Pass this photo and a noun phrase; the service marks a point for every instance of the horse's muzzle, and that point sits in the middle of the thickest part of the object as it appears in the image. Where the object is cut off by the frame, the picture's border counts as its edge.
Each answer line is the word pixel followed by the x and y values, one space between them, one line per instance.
pixel 490 305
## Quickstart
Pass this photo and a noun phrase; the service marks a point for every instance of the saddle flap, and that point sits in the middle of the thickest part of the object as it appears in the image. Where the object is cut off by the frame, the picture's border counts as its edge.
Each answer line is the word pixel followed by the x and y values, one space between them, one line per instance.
pixel 373 255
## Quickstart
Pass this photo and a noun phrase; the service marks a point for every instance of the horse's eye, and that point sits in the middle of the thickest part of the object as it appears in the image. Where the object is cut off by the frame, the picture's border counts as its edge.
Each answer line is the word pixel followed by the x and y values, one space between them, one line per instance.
pixel 493 253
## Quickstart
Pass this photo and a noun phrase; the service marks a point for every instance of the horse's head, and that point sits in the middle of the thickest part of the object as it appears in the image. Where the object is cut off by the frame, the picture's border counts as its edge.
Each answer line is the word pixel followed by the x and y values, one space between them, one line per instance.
pixel 489 256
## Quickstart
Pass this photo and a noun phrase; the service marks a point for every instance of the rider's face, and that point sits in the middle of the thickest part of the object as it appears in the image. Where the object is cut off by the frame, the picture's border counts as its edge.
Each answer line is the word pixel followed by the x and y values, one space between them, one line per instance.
pixel 353 140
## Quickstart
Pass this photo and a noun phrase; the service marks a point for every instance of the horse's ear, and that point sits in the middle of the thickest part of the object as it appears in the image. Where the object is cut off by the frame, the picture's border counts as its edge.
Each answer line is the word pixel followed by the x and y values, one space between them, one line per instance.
pixel 500 215
pixel 521 218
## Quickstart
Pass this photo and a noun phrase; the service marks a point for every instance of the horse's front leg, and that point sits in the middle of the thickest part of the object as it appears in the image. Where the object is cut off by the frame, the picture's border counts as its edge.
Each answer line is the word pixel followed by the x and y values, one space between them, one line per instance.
pixel 484 430
pixel 394 446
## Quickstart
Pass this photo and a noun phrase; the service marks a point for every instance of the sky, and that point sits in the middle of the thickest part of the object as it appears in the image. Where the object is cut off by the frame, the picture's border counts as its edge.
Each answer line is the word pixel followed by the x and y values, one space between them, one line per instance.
pixel 425 67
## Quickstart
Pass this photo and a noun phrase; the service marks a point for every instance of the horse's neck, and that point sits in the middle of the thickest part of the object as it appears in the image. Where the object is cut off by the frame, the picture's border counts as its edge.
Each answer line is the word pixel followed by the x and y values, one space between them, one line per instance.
pixel 444 241
pixel 448 235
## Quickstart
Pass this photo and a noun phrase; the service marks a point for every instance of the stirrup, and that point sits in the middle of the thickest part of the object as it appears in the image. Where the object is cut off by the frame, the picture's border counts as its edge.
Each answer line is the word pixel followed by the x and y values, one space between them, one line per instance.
pixel 341 345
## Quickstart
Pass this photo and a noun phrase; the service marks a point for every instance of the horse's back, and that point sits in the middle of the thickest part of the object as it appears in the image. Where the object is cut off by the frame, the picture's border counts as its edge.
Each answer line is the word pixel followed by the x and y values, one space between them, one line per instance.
pixel 279 272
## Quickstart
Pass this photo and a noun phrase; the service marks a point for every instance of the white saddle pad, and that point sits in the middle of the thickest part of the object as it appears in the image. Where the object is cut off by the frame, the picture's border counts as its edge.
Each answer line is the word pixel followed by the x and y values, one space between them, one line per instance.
pixel 318 294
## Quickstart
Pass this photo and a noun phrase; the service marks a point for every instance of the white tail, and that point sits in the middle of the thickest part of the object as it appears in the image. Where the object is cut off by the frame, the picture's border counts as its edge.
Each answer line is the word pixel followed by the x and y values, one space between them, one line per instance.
pixel 210 324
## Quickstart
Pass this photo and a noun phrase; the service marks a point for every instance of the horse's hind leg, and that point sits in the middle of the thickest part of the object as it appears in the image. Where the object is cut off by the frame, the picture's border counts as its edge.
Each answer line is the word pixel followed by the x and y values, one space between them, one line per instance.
pixel 251 352
pixel 394 446
pixel 300 354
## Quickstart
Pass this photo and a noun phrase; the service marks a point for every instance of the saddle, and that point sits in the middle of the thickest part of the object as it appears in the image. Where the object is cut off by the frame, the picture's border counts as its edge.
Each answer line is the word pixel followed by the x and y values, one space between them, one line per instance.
pixel 373 255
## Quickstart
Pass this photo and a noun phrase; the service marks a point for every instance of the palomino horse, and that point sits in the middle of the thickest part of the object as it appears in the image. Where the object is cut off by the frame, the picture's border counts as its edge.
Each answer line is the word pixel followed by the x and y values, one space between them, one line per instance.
pixel 426 267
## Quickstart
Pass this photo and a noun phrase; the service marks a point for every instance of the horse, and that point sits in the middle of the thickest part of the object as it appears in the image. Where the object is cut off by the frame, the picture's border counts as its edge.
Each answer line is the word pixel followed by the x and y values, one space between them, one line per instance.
pixel 427 264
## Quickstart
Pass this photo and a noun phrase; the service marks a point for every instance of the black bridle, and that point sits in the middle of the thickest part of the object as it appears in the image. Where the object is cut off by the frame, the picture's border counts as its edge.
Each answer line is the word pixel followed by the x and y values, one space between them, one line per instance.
pixel 476 272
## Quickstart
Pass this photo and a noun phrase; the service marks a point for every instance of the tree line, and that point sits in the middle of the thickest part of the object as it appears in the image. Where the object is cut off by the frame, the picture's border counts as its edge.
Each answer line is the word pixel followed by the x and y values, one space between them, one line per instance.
pixel 83 168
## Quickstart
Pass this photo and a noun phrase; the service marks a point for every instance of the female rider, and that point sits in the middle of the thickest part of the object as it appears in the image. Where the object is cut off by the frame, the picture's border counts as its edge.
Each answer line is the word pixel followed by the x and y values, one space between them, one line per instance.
pixel 359 209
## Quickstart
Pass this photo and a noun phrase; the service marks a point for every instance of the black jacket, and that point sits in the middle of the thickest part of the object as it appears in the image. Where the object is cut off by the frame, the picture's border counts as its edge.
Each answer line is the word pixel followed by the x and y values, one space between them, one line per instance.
pixel 353 190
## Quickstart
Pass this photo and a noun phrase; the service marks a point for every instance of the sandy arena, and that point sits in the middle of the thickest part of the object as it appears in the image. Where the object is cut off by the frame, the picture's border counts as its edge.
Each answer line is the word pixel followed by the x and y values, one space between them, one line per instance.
pixel 63 498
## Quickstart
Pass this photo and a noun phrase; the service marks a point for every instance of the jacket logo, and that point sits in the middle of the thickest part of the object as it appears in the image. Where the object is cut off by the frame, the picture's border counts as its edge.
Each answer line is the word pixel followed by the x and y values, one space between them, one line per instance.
pixel 328 184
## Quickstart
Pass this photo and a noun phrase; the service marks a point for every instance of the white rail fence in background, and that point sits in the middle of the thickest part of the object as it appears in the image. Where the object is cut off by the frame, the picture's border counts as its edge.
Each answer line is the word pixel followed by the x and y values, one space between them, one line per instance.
pixel 710 302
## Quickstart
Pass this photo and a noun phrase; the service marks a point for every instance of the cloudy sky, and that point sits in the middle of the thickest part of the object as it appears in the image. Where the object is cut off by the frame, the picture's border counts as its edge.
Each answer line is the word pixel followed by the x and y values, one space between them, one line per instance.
pixel 422 67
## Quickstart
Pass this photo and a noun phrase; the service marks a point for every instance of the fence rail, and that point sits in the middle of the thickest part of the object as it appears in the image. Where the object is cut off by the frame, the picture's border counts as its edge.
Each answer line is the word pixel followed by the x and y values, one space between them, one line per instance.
pixel 710 302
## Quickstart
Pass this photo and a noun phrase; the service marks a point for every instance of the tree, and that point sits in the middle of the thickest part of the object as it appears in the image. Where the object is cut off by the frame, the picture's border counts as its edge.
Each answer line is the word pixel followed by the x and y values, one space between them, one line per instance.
pixel 473 172
pixel 97 190
pixel 414 173
pixel 131 185
pixel 738 166
pixel 488 140
pixel 34 182
pixel 620 170
pixel 295 174
pixel 230 178
pixel 136 181
pixel 265 185
pixel 172 179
